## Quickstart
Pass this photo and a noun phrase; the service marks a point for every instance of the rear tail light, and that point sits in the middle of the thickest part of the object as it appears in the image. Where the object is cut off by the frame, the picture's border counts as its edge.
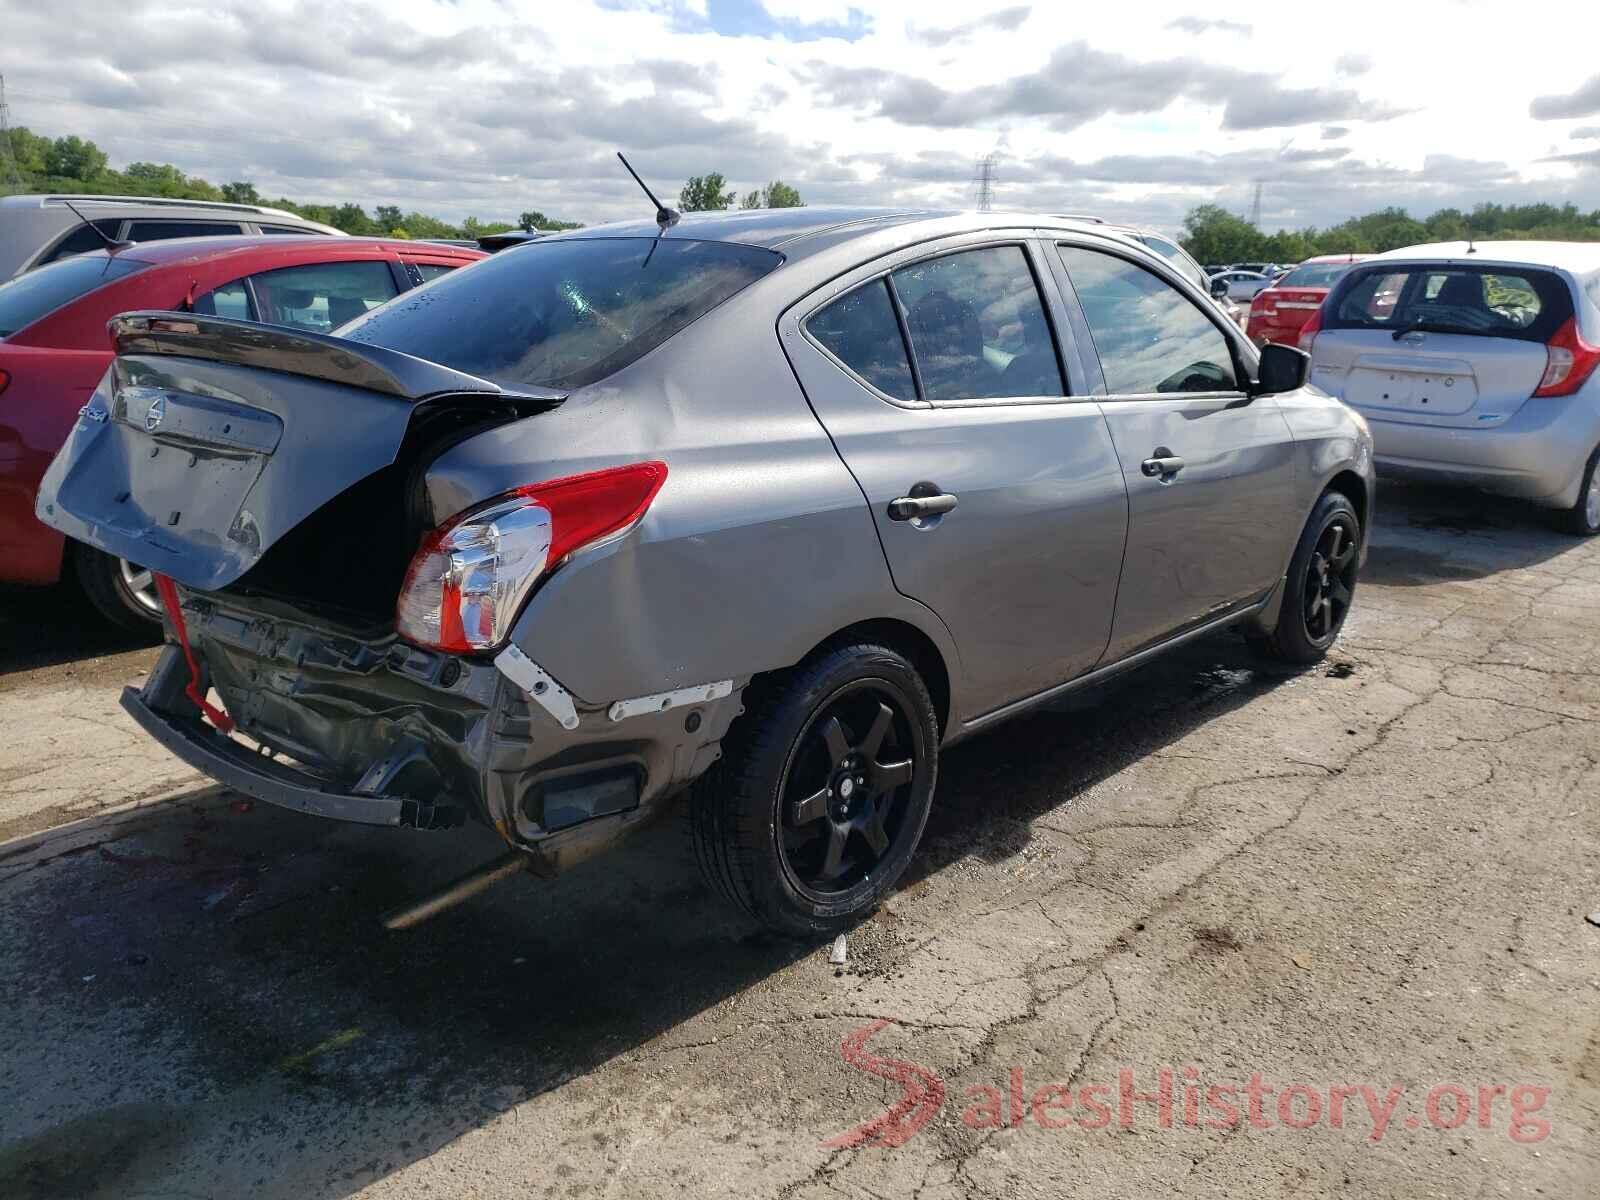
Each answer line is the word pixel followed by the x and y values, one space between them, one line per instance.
pixel 5 379
pixel 1259 304
pixel 469 578
pixel 1569 361
pixel 1309 331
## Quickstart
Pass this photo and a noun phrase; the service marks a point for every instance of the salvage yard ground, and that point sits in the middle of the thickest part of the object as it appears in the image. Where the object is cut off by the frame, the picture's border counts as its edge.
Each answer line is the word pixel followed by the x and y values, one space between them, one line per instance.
pixel 1374 874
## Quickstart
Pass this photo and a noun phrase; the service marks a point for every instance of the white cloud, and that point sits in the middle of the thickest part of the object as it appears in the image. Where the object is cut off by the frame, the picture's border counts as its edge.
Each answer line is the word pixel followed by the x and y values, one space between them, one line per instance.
pixel 488 107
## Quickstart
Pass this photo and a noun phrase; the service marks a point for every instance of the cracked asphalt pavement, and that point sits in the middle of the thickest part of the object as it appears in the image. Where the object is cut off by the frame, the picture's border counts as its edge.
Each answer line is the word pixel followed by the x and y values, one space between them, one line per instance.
pixel 1373 874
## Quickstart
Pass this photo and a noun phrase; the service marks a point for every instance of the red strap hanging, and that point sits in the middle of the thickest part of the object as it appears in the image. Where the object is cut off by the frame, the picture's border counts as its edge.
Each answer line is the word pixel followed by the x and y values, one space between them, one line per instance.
pixel 169 597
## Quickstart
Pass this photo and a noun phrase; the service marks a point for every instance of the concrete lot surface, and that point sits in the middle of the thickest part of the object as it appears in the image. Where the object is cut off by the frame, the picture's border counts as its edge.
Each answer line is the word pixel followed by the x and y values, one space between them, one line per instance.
pixel 1363 887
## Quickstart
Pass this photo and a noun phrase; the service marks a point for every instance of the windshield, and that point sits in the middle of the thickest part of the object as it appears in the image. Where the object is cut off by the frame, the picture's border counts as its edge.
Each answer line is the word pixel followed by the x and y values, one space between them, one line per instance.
pixel 1527 304
pixel 1314 275
pixel 565 313
pixel 38 293
pixel 1185 265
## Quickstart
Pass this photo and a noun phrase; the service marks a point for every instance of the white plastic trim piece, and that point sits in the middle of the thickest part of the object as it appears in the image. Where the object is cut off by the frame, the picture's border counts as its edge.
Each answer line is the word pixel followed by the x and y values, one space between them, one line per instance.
pixel 538 684
pixel 662 701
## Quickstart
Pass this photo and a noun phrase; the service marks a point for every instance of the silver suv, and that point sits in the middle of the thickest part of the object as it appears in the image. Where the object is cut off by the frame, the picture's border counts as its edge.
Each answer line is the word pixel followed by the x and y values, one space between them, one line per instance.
pixel 35 230
pixel 764 506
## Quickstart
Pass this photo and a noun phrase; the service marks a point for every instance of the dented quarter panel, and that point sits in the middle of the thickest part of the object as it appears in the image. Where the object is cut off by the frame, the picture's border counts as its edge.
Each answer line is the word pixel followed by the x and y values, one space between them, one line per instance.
pixel 752 479
pixel 374 715
pixel 1329 437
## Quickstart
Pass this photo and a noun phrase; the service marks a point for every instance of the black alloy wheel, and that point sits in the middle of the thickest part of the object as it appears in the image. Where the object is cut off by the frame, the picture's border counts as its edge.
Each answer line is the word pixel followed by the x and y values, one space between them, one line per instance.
pixel 1330 581
pixel 1319 586
pixel 842 796
pixel 816 806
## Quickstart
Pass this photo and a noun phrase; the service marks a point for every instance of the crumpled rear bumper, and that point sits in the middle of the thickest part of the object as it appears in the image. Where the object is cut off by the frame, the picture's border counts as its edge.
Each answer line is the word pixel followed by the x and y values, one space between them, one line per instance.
pixel 369 728
pixel 257 775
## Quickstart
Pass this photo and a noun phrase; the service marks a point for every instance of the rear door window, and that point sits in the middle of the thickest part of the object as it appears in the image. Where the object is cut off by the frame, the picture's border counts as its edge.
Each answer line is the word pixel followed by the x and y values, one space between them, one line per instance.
pixel 1151 339
pixel 29 297
pixel 978 328
pixel 1527 305
pixel 860 330
pixel 155 231
pixel 323 296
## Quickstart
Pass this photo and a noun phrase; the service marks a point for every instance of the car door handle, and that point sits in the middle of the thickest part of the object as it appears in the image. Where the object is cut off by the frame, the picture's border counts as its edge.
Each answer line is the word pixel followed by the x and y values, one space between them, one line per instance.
pixel 908 508
pixel 1163 466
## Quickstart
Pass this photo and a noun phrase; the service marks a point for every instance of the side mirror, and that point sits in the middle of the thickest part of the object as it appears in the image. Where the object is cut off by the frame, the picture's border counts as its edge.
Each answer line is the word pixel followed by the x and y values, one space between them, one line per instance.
pixel 1219 288
pixel 1283 369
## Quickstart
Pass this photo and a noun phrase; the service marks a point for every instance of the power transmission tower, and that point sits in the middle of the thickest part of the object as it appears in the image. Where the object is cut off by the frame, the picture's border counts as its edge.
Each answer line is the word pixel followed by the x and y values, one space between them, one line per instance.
pixel 10 175
pixel 1255 207
pixel 983 183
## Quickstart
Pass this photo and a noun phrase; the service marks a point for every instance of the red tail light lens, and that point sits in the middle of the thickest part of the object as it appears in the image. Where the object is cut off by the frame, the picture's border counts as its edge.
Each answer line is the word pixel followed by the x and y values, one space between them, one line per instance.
pixel 469 578
pixel 5 379
pixel 1569 361
pixel 1309 331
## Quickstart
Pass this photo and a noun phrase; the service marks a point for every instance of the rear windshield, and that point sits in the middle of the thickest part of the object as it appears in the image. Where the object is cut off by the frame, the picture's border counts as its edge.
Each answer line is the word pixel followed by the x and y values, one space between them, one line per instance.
pixel 1314 275
pixel 38 293
pixel 564 313
pixel 1526 304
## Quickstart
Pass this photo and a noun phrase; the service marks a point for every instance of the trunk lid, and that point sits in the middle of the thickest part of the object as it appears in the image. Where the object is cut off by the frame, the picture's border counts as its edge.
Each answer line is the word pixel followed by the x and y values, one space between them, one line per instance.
pixel 210 439
pixel 1424 378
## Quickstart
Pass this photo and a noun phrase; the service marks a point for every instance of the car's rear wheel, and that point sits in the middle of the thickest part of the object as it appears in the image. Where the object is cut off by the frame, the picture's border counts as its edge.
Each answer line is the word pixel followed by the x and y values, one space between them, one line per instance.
pixel 1583 518
pixel 1320 585
pixel 123 592
pixel 817 804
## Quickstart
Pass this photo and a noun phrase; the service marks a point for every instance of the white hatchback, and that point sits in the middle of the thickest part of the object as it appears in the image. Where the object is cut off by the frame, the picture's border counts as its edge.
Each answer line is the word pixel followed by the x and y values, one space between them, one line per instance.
pixel 1474 364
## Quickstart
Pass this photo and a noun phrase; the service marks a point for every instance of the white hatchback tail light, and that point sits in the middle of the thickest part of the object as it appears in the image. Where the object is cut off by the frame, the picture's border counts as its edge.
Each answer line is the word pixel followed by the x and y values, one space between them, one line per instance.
pixel 1569 361
pixel 469 578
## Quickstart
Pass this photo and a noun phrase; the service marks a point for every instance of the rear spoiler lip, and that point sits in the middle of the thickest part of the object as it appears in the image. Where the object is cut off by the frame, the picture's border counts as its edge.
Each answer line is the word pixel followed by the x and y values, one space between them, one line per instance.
pixel 300 352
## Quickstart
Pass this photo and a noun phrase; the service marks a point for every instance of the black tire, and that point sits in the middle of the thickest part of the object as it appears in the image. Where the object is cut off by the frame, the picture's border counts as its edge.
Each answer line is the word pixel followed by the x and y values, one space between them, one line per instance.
pixel 764 831
pixel 1320 585
pixel 100 578
pixel 1583 518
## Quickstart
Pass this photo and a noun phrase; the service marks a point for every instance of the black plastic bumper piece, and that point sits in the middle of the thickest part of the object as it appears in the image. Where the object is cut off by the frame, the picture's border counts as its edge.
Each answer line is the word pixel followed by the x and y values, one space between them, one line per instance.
pixel 238 767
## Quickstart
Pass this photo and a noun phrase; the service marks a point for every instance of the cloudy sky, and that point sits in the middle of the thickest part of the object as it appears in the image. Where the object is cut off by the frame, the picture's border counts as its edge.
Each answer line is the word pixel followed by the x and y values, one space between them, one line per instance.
pixel 1138 110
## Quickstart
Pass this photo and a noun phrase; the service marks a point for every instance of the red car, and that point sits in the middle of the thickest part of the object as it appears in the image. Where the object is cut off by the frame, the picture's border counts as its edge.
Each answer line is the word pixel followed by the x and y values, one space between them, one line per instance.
pixel 1278 312
pixel 54 348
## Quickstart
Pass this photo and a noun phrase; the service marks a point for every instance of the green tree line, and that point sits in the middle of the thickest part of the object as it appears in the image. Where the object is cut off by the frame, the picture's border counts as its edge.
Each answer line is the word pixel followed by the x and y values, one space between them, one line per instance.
pixel 706 193
pixel 1214 235
pixel 74 164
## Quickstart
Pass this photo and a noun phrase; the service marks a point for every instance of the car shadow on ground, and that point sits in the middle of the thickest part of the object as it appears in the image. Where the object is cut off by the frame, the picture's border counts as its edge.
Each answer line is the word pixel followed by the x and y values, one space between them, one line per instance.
pixel 44 627
pixel 217 970
pixel 1428 534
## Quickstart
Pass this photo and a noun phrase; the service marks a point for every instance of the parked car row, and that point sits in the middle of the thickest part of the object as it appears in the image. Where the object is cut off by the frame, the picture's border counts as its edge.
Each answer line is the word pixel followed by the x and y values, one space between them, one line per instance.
pixel 765 507
pixel 1278 311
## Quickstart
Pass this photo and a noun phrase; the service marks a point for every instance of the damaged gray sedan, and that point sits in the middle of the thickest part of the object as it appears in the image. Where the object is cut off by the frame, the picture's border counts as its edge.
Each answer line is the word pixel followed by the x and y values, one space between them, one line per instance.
pixel 766 507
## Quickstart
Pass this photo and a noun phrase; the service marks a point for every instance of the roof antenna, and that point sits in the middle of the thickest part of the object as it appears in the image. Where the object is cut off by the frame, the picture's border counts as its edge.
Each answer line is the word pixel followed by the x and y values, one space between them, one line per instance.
pixel 112 244
pixel 666 217
pixel 1471 249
